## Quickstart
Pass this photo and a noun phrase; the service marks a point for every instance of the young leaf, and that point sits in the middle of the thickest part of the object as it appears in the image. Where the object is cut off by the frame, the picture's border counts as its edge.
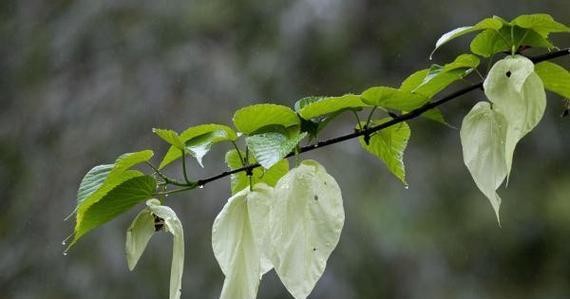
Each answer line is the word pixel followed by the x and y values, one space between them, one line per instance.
pixel 328 105
pixel 430 82
pixel 391 98
pixel 437 116
pixel 126 161
pixel 544 24
pixel 138 235
pixel 134 188
pixel 198 141
pixel 270 148
pixel 173 225
pixel 463 61
pixel 314 125
pixel 250 119
pixel 517 92
pixel 554 77
pixel 490 42
pixel 389 145
pixel 100 180
pixel 414 80
pixel 239 181
pixel 170 136
pixel 239 236
pixel 483 137
pixel 93 180
pixel 306 219
pixel 488 23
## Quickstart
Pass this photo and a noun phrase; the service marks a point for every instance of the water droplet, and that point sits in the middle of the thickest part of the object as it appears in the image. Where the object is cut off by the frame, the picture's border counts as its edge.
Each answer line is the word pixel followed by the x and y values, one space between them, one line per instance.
pixel 406 187
pixel 165 195
pixel 63 242
pixel 201 186
pixel 65 253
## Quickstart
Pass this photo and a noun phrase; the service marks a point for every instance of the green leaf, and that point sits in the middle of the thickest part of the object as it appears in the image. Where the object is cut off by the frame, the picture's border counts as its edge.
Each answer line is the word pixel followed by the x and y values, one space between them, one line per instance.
pixel 488 23
pixel 414 80
pixel 138 235
pixel 239 236
pixel 389 145
pixel 437 116
pixel 554 77
pixel 250 119
pixel 100 179
pixel 463 61
pixel 490 42
pixel 430 82
pixel 198 141
pixel 314 125
pixel 391 98
pixel 329 105
pixel 302 103
pixel 544 24
pixel 133 189
pixel 172 225
pixel 126 161
pixel 93 180
pixel 306 220
pixel 270 148
pixel 483 137
pixel 239 181
pixel 517 92
pixel 169 136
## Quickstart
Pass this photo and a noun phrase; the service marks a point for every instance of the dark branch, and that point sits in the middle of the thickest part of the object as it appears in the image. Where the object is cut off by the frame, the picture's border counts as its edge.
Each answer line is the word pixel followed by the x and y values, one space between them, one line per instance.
pixel 404 117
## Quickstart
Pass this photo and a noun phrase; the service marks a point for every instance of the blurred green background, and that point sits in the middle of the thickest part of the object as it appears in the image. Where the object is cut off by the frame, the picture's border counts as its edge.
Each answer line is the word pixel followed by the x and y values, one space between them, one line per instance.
pixel 82 82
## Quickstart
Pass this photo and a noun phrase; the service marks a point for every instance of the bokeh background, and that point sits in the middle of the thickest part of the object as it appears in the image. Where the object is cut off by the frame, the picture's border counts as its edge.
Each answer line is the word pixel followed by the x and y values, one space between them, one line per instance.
pixel 82 82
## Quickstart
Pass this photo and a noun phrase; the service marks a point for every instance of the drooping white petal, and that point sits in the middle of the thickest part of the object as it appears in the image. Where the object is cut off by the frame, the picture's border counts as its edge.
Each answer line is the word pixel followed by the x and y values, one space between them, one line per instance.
pixel 307 217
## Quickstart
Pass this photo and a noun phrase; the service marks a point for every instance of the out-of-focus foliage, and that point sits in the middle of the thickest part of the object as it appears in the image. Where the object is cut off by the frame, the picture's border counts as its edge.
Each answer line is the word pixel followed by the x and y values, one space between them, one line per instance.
pixel 81 81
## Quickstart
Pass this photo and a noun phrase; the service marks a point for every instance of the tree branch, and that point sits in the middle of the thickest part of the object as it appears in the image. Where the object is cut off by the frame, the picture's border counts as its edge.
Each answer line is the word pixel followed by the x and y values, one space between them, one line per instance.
pixel 401 118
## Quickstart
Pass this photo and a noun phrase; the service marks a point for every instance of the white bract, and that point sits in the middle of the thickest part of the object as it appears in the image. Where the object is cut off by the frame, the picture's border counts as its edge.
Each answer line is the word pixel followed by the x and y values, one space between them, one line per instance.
pixel 306 219
pixel 239 234
pixel 517 92
pixel 489 134
pixel 483 134
pixel 138 235
pixel 142 229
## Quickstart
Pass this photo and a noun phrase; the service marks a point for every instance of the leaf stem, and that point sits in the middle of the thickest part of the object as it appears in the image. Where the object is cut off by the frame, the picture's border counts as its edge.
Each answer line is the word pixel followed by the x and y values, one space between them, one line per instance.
pixel 192 186
pixel 239 153
pixel 357 119
pixel 184 168
pixel 166 179
pixel 370 116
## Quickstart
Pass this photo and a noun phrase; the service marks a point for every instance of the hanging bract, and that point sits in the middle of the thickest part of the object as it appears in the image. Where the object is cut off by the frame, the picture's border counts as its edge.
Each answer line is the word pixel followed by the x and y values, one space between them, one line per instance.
pixel 306 220
pixel 142 229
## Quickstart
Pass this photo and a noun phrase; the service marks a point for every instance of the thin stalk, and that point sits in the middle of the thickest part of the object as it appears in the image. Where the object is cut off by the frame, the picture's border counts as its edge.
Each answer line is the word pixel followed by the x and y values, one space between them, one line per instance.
pixel 166 179
pixel 184 168
pixel 370 116
pixel 357 119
